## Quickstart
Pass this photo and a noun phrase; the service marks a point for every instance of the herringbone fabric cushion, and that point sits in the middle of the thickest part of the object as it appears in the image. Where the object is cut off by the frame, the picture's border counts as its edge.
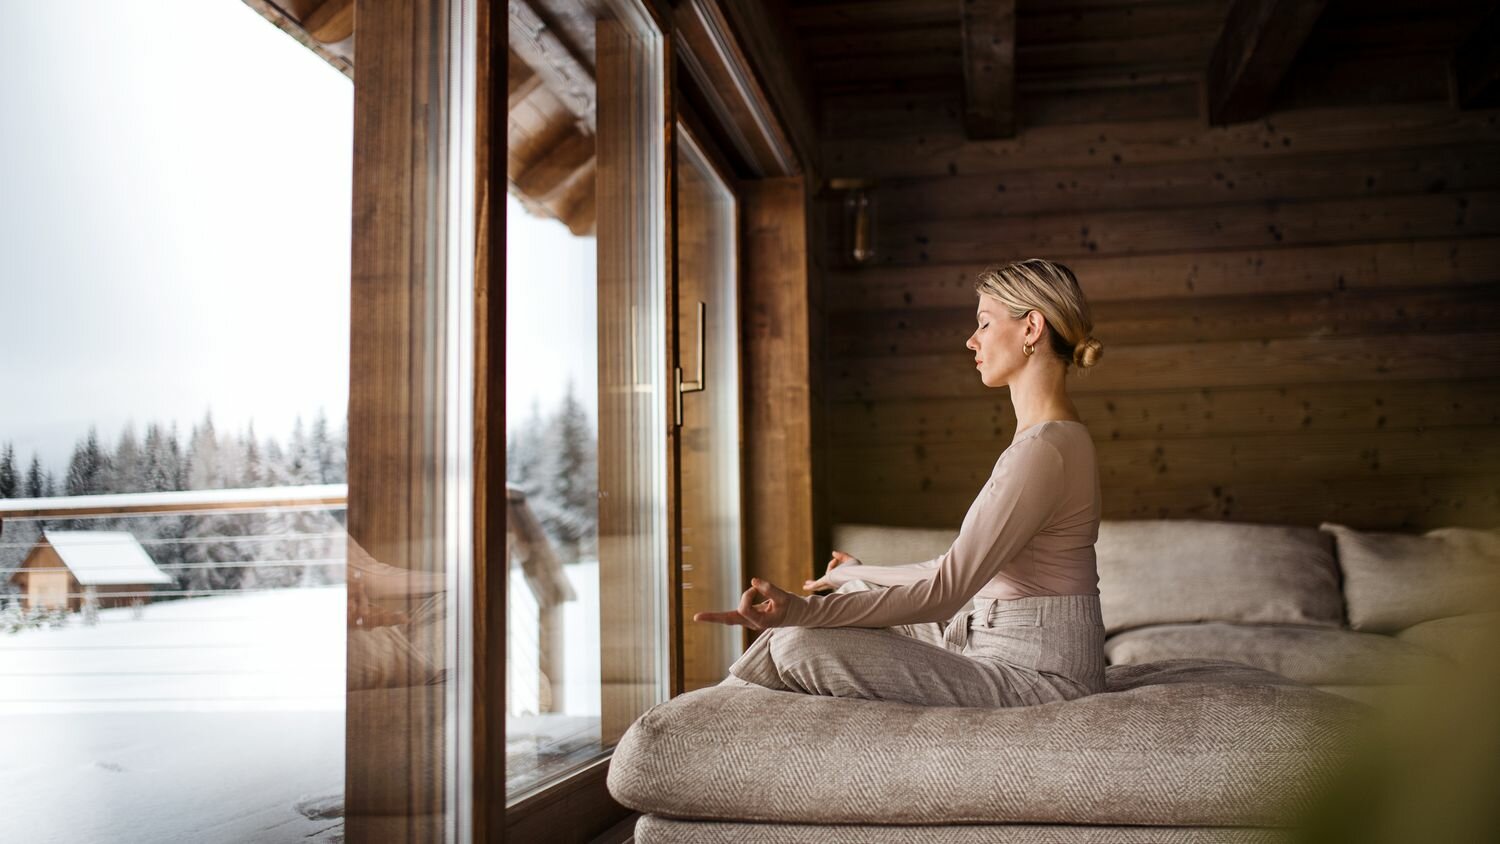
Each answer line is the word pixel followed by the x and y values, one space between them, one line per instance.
pixel 1182 742
pixel 651 829
pixel 1312 655
pixel 1175 571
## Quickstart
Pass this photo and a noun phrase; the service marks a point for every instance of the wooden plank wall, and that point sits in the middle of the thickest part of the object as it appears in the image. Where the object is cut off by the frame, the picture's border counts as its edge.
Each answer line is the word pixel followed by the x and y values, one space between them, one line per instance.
pixel 1299 313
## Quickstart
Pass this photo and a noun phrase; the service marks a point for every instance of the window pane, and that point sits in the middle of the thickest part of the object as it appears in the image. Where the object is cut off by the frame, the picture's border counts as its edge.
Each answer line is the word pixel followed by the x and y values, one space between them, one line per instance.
pixel 586 400
pixel 712 576
pixel 174 244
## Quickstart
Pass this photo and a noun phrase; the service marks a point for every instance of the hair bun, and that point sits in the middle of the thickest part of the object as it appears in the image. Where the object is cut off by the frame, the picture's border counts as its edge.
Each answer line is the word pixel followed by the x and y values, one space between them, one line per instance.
pixel 1087 352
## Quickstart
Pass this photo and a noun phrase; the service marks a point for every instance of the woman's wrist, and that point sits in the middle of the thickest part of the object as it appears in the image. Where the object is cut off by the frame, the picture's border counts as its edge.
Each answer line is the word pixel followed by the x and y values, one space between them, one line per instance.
pixel 838 576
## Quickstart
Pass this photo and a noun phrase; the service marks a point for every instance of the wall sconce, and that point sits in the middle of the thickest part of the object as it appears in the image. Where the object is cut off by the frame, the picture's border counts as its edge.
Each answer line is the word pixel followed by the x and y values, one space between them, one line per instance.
pixel 857 241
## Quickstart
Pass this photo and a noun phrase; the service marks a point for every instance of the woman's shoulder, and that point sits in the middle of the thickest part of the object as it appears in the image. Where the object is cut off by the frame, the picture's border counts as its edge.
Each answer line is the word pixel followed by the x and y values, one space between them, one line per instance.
pixel 1065 435
pixel 1055 443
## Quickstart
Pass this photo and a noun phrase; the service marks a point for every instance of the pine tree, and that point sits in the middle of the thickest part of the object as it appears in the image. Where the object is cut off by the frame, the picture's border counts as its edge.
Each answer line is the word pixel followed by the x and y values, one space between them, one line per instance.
pixel 175 461
pixel 34 481
pixel 10 481
pixel 89 468
pixel 49 485
pixel 156 474
pixel 127 466
pixel 203 470
pixel 524 453
pixel 570 477
pixel 320 450
pixel 297 468
pixel 255 473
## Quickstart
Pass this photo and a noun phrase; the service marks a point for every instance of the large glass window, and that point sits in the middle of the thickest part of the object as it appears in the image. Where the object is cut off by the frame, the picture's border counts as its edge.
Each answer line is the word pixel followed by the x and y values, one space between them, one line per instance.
pixel 587 390
pixel 174 377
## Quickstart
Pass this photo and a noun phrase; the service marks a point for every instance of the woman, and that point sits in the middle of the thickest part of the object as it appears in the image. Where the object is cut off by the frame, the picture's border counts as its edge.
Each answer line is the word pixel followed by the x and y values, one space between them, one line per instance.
pixel 1025 551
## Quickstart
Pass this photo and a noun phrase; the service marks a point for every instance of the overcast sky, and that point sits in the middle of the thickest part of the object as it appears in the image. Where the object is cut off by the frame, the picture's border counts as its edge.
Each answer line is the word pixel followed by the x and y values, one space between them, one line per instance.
pixel 174 221
pixel 174 230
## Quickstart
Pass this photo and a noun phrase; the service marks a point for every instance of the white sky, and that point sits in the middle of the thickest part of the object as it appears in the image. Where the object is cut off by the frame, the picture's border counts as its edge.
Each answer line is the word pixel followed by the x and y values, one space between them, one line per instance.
pixel 174 231
pixel 174 221
pixel 551 316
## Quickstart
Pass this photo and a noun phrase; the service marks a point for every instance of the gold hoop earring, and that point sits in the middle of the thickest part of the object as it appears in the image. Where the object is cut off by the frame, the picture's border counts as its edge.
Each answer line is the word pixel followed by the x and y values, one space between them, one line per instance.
pixel 1027 349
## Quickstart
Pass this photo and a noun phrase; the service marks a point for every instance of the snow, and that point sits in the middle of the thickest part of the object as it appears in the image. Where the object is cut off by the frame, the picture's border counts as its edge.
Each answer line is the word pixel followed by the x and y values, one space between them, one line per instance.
pixel 215 718
pixel 207 719
pixel 310 493
pixel 104 557
pixel 276 650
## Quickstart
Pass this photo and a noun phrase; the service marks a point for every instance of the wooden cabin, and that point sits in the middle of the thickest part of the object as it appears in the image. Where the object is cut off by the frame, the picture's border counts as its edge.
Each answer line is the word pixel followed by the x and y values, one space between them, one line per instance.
pixel 67 566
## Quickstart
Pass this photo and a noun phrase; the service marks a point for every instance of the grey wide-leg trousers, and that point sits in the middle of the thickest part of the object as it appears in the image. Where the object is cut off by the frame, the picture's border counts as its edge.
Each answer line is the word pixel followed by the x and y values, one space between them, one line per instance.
pixel 1017 652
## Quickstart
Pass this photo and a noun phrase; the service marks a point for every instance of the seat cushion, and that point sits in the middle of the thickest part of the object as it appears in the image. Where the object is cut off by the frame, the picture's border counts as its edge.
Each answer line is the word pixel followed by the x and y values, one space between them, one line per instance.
pixel 651 829
pixel 1466 639
pixel 1165 571
pixel 1305 654
pixel 1196 742
pixel 884 545
pixel 1396 580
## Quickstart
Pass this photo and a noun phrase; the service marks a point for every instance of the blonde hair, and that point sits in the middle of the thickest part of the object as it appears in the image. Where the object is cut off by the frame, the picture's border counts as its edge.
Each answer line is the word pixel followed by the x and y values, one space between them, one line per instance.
pixel 1041 285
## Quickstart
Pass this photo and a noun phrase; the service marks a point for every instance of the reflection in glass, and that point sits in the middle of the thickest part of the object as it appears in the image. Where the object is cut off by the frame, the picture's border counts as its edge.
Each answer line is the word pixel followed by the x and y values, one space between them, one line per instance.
pixel 586 399
pixel 711 527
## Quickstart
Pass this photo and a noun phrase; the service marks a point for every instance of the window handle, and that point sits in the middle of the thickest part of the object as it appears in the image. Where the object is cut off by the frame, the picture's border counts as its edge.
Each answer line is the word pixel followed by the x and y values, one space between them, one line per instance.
pixel 692 386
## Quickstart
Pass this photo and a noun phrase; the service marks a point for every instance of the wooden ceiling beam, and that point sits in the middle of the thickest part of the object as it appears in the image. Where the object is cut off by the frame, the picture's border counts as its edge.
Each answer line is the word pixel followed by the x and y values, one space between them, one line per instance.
pixel 331 22
pixel 1256 47
pixel 1476 66
pixel 989 59
pixel 557 166
pixel 541 48
pixel 723 72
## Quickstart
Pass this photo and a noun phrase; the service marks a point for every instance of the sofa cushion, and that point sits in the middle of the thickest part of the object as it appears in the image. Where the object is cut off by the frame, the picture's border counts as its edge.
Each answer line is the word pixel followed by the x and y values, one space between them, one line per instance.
pixel 1395 580
pixel 884 545
pixel 1184 742
pixel 1304 654
pixel 652 829
pixel 1163 571
pixel 1463 638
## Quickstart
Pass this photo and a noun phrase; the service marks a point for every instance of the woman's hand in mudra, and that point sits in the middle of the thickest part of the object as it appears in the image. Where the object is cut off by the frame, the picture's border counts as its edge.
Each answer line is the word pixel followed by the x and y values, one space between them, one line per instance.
pixel 752 614
pixel 839 558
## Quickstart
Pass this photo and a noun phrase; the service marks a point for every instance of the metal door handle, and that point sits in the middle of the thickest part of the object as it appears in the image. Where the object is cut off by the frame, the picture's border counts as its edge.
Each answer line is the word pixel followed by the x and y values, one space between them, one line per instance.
pixel 692 386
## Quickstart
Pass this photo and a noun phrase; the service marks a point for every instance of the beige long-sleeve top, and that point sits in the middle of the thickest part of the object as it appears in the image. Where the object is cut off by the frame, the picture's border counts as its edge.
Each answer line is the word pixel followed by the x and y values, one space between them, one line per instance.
pixel 1030 532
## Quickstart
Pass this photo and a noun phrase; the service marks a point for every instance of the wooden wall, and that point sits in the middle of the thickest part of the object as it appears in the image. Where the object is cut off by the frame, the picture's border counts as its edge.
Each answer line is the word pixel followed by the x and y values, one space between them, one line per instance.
pixel 1300 314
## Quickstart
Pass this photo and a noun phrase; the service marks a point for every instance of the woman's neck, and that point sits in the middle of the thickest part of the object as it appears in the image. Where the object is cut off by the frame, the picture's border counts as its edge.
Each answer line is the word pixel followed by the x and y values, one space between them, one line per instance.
pixel 1040 395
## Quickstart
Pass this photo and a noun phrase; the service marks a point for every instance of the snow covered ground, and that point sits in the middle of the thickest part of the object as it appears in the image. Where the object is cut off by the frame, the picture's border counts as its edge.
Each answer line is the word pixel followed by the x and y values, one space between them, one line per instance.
pixel 207 719
pixel 215 718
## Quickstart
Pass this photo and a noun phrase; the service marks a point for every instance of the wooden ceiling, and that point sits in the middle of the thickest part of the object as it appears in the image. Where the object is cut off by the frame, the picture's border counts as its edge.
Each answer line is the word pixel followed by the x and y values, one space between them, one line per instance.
pixel 1011 63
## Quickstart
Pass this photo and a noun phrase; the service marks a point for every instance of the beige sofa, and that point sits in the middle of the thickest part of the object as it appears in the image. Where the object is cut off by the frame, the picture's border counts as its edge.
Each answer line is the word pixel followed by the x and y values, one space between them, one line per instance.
pixel 1245 660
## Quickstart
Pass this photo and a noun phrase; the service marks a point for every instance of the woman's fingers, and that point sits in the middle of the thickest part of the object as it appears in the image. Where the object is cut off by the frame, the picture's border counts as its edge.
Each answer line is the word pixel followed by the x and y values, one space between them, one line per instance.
pixel 730 617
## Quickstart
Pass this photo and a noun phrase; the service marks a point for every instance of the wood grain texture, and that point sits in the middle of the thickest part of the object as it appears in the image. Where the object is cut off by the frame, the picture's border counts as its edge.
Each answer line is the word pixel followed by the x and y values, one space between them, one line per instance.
pixel 777 382
pixel 1227 363
pixel 1398 264
pixel 1256 47
pixel 1476 65
pixel 916 135
pixel 394 742
pixel 989 67
pixel 1347 407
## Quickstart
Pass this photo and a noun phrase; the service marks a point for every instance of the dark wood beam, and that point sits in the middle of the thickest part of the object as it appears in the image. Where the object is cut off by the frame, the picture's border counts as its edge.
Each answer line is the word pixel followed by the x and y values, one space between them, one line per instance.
pixel 1476 65
pixel 764 35
pixel 723 72
pixel 1259 41
pixel 989 41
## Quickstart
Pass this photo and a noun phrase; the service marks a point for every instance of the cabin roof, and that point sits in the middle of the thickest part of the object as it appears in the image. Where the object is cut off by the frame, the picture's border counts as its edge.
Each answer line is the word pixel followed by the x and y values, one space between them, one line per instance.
pixel 104 557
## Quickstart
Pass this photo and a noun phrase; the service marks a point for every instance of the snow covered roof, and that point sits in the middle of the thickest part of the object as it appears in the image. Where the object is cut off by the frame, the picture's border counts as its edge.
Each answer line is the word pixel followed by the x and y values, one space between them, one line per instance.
pixel 104 557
